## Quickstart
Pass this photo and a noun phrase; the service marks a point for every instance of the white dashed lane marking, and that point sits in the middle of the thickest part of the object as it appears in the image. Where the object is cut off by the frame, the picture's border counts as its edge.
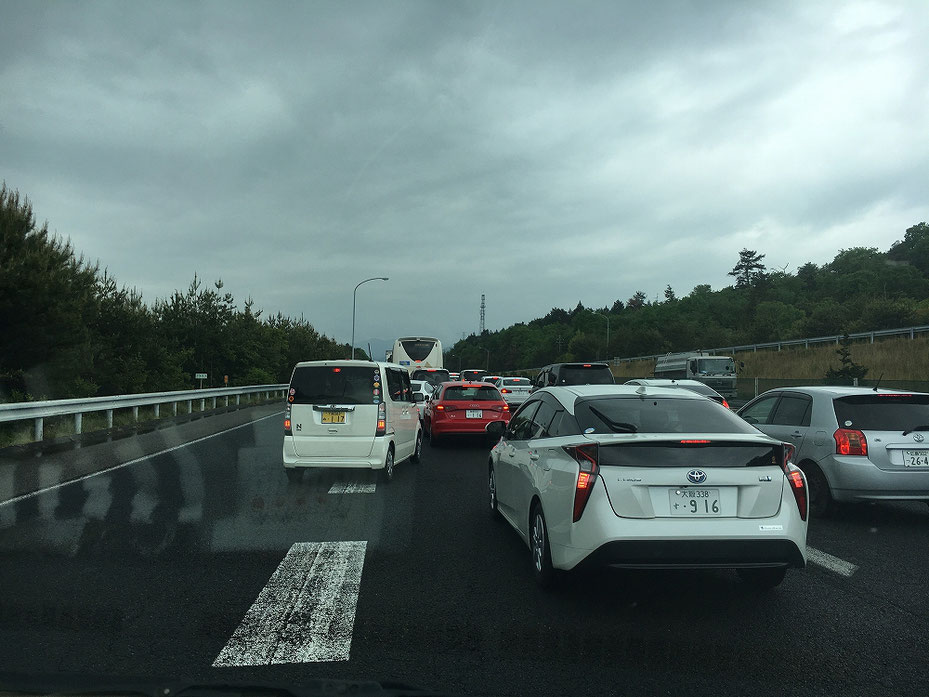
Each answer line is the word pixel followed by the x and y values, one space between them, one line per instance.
pixel 306 611
pixel 352 488
pixel 827 561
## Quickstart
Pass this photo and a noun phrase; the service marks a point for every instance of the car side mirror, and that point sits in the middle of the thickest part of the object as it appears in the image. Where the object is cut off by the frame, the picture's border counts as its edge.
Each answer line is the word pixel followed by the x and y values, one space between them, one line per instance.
pixel 496 428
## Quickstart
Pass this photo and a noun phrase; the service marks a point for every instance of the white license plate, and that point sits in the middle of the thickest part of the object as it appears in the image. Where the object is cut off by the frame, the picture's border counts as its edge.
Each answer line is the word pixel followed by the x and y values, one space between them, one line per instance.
pixel 916 458
pixel 474 414
pixel 686 501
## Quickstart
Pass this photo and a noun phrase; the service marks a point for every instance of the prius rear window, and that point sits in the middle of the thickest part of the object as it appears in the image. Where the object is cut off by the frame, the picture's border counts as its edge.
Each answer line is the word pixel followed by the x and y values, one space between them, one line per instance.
pixel 334 385
pixel 651 415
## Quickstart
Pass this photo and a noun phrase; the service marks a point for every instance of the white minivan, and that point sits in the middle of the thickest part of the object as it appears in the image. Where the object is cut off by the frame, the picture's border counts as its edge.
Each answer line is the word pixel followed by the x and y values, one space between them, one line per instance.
pixel 350 414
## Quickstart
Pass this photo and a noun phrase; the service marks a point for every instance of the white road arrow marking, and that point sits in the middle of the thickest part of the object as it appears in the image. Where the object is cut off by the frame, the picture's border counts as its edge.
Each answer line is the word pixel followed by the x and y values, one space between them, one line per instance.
pixel 306 611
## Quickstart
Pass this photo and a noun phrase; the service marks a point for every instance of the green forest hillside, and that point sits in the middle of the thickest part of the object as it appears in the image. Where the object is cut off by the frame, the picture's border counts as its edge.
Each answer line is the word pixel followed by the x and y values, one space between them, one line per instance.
pixel 861 289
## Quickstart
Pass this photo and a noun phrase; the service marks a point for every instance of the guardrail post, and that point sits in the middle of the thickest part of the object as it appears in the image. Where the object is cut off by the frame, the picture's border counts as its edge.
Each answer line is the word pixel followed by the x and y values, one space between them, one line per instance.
pixel 267 396
pixel 109 418
pixel 157 410
pixel 174 408
pixel 78 422
pixel 202 405
pixel 855 382
pixel 227 400
pixel 39 428
pixel 214 402
pixel 237 399
pixel 190 405
pixel 911 332
pixel 756 387
pixel 135 414
pixel 872 337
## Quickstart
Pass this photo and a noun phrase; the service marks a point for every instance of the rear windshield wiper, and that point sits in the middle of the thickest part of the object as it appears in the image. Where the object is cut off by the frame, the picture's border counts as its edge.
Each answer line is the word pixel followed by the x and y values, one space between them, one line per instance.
pixel 615 426
pixel 924 427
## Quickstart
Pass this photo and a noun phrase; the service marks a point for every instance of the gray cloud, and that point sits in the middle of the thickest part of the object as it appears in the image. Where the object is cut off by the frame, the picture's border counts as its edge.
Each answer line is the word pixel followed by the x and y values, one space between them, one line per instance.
pixel 541 153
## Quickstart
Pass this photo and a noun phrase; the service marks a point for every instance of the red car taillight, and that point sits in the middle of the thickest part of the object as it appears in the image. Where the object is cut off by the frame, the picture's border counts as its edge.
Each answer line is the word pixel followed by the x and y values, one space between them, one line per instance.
pixel 381 420
pixel 726 404
pixel 796 480
pixel 587 458
pixel 287 426
pixel 848 441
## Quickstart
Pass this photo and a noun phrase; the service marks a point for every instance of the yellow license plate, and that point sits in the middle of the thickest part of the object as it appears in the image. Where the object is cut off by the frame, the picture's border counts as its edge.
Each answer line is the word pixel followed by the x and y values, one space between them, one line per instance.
pixel 333 417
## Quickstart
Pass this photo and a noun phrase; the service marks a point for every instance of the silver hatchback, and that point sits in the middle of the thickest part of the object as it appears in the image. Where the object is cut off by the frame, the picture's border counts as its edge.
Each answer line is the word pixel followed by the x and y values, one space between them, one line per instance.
pixel 853 443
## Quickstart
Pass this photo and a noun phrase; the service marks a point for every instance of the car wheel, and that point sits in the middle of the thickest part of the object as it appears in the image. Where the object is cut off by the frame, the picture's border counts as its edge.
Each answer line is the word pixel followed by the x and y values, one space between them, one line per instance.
pixel 821 501
pixel 388 472
pixel 542 568
pixel 492 487
pixel 763 578
pixel 418 450
pixel 294 474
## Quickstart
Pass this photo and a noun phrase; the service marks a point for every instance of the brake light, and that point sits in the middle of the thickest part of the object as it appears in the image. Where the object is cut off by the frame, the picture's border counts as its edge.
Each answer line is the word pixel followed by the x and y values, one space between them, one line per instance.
pixel 287 425
pixel 587 458
pixel 586 365
pixel 798 486
pixel 795 479
pixel 693 442
pixel 726 404
pixel 381 420
pixel 849 441
pixel 506 407
pixel 504 391
pixel 336 370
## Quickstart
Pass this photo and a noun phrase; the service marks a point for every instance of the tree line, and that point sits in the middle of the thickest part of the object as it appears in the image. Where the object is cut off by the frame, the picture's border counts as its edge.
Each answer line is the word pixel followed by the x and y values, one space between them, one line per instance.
pixel 69 329
pixel 861 289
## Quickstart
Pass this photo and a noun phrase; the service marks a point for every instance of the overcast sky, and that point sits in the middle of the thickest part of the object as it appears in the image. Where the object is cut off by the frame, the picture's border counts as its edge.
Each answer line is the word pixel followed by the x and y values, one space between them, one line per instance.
pixel 540 153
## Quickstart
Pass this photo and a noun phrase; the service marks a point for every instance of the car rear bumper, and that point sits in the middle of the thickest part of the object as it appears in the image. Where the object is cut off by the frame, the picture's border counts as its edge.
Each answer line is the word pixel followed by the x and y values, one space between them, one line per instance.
pixel 449 427
pixel 696 554
pixel 374 461
pixel 853 478
pixel 601 537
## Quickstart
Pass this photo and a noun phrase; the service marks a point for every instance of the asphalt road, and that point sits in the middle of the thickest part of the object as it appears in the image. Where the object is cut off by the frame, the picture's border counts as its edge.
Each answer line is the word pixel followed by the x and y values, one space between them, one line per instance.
pixel 204 563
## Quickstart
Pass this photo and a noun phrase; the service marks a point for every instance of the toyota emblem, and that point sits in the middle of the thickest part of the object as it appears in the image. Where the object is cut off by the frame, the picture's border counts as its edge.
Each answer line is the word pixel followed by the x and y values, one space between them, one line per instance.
pixel 918 437
pixel 696 476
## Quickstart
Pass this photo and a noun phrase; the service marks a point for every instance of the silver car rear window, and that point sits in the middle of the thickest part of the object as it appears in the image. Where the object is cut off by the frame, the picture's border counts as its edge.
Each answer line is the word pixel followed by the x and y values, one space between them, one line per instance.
pixel 882 411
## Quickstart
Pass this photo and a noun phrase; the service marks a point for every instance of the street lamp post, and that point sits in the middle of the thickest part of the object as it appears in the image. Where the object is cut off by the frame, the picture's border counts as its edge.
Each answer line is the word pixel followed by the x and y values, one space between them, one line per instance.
pixel 354 294
pixel 607 318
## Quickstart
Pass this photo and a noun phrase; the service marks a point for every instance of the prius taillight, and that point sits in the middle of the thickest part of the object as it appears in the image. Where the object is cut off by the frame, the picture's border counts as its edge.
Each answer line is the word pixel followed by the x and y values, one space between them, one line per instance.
pixel 587 457
pixel 796 480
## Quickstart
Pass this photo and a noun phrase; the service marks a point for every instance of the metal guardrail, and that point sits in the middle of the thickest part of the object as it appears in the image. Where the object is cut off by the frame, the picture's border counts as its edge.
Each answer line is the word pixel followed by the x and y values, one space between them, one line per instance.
pixel 39 411
pixel 904 331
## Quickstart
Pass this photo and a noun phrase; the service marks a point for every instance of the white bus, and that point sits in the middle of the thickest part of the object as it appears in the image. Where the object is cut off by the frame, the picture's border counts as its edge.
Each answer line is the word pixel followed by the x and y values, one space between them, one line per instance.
pixel 418 352
pixel 717 372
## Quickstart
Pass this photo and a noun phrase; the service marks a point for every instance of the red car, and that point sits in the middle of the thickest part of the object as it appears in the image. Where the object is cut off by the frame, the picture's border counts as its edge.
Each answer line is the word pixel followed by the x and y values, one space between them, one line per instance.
pixel 464 407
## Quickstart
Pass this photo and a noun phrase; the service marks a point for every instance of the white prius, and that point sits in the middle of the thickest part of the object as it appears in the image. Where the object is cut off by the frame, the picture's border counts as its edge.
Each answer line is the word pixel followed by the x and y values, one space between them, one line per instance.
pixel 645 477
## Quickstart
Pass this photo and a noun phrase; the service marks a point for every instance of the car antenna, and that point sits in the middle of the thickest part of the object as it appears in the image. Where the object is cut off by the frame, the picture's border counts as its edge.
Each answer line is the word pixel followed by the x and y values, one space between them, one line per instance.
pixel 878 382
